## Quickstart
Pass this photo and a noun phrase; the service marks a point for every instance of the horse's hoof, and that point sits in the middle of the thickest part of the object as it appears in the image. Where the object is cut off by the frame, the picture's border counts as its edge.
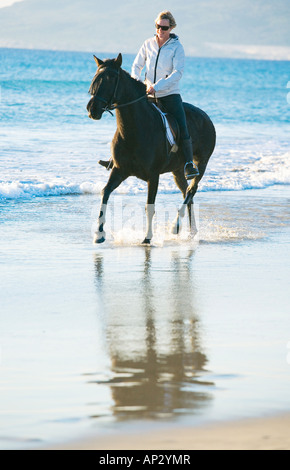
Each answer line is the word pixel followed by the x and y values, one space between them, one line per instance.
pixel 146 241
pixel 98 241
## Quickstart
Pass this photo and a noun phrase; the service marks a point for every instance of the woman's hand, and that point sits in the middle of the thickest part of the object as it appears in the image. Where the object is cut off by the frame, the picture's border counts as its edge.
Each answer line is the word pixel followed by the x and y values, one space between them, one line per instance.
pixel 150 90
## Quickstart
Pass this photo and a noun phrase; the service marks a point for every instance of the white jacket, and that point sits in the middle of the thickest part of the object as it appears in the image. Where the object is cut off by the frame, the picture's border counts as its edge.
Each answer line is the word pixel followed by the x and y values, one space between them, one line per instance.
pixel 164 65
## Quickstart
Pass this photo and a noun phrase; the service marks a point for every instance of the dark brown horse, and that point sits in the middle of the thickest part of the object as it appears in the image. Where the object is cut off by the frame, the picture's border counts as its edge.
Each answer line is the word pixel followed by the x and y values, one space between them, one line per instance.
pixel 139 146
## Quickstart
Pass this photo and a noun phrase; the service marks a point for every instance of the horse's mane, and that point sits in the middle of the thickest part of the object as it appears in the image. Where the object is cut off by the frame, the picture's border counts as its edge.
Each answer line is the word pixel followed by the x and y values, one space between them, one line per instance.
pixel 111 63
pixel 137 83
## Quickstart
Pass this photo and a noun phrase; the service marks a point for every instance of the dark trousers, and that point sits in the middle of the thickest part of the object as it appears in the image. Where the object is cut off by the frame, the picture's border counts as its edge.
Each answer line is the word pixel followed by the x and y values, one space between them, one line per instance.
pixel 172 104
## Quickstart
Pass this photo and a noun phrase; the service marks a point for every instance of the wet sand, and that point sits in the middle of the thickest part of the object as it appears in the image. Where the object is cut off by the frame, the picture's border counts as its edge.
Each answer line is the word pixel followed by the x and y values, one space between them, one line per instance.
pixel 252 434
pixel 110 341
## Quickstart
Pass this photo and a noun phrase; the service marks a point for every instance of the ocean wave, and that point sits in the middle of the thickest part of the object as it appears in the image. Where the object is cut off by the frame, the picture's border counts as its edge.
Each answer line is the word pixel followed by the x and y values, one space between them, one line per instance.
pixel 28 190
pixel 264 172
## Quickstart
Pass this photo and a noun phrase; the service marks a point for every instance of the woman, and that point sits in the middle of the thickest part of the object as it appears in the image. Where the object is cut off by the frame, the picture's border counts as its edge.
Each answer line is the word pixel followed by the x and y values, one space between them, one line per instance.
pixel 163 56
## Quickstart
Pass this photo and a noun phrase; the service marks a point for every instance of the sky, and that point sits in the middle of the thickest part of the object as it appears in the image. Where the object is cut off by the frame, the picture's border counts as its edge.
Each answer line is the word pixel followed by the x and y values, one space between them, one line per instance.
pixel 223 28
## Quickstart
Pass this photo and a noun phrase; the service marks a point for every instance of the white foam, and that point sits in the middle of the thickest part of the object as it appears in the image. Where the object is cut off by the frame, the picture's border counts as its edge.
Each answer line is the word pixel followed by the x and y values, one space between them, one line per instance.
pixel 219 232
pixel 29 190
pixel 162 237
pixel 24 190
pixel 233 172
pixel 264 171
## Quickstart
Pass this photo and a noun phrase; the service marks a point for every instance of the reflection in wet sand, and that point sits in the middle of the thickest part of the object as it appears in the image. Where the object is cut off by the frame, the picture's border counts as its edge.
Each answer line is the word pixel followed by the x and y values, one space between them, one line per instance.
pixel 152 334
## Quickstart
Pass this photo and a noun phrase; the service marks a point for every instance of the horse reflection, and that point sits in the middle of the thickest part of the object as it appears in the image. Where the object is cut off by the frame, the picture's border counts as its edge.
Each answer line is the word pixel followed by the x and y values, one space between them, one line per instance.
pixel 152 334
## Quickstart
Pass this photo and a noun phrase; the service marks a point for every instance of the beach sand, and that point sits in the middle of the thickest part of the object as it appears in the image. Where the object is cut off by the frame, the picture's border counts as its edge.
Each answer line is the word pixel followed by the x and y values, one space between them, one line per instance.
pixel 145 348
pixel 272 433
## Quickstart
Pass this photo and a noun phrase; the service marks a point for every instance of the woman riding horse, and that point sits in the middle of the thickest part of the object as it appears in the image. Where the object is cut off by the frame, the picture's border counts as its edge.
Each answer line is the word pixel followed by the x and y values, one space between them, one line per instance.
pixel 139 146
pixel 163 56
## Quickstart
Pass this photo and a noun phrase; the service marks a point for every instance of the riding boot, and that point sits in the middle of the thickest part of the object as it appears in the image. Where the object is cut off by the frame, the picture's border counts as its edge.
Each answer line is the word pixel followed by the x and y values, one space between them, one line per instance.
pixel 190 169
pixel 108 164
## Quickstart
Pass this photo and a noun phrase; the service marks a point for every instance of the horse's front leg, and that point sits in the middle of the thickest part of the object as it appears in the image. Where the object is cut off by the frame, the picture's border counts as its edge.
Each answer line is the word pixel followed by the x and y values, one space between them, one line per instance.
pixel 150 208
pixel 115 179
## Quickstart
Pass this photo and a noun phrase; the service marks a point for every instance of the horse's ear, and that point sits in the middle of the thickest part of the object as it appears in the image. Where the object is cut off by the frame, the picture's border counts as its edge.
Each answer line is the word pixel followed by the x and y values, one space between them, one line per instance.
pixel 99 62
pixel 119 60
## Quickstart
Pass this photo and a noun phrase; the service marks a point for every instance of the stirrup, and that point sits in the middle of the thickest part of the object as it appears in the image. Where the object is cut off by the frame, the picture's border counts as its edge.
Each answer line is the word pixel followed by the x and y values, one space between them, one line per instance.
pixel 108 164
pixel 190 170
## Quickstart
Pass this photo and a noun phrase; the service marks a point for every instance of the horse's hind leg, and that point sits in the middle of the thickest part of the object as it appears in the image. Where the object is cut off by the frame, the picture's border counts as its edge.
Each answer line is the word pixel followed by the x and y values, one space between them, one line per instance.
pixel 191 191
pixel 115 179
pixel 188 194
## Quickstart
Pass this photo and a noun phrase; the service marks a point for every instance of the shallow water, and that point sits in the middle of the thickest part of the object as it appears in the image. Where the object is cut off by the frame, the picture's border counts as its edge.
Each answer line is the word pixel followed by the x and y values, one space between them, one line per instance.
pixel 94 338
pixel 184 331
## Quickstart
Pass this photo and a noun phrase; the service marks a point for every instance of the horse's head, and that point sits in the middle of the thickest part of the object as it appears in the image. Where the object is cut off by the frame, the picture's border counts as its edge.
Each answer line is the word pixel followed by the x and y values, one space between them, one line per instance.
pixel 104 86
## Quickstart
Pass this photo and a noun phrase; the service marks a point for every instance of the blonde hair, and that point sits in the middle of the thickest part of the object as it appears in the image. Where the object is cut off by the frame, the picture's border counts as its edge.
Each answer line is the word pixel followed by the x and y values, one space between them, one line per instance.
pixel 166 15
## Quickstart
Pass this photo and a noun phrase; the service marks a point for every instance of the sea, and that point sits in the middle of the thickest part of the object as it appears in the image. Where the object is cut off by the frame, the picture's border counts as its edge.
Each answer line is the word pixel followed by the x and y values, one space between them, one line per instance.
pixel 94 338
pixel 49 147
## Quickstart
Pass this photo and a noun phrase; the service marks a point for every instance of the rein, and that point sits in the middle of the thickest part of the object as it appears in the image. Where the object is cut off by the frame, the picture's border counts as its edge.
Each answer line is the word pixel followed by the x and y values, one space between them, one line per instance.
pixel 117 106
pixel 109 106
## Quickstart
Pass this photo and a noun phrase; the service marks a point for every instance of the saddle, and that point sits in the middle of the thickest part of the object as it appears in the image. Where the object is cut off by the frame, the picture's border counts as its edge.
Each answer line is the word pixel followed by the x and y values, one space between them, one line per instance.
pixel 171 129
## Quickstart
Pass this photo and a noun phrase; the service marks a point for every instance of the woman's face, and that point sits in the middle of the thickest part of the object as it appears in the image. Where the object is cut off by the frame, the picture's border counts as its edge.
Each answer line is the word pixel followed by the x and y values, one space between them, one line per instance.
pixel 163 35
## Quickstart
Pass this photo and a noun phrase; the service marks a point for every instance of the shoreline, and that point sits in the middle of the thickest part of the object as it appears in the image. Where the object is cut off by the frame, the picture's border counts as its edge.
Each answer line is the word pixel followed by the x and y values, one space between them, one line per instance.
pixel 266 433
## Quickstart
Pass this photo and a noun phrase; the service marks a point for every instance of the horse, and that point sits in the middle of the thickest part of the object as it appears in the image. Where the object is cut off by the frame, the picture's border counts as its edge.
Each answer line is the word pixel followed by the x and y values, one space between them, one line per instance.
pixel 139 146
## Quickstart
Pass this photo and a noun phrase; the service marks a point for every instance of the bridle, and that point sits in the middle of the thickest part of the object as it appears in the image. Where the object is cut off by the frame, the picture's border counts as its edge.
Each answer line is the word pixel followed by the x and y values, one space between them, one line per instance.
pixel 109 104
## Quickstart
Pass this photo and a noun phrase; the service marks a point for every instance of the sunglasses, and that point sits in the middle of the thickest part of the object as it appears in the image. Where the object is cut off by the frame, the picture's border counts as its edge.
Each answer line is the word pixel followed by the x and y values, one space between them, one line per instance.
pixel 163 28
